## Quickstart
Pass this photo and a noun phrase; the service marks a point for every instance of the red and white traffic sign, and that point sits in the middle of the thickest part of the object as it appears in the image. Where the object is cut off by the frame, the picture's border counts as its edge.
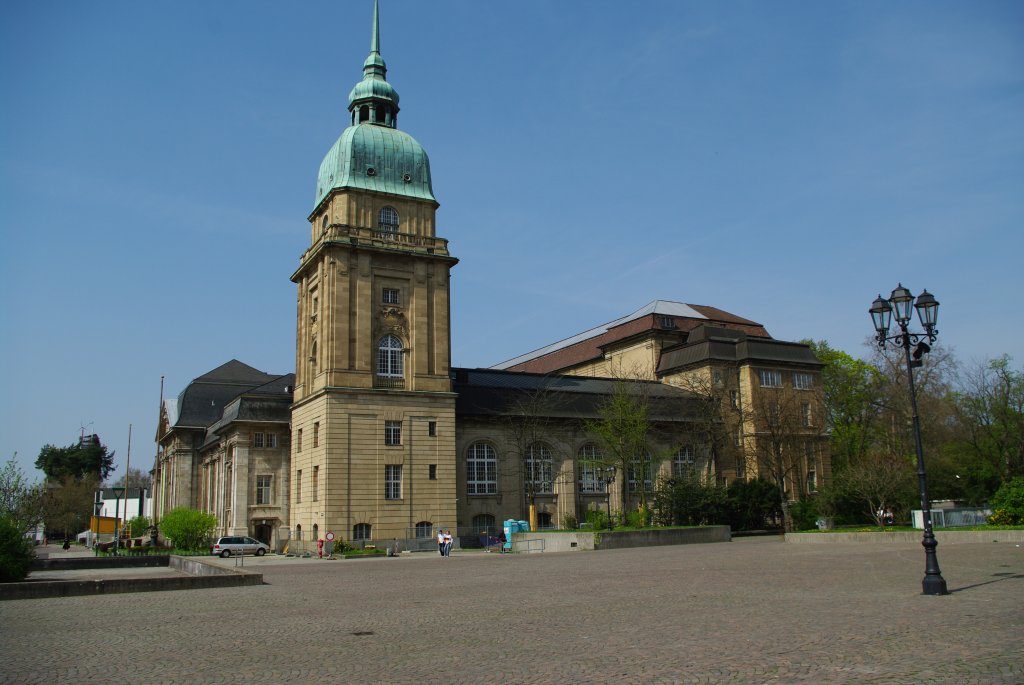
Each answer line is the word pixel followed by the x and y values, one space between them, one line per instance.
pixel 330 536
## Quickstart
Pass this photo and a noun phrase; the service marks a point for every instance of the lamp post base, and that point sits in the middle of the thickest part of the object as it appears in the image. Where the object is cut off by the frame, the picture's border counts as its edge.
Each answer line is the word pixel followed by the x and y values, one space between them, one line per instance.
pixel 934 585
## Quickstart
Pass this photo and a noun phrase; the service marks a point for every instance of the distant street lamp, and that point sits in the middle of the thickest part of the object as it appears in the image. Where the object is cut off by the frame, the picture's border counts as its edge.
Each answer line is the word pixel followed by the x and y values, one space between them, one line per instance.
pixel 901 301
pixel 605 478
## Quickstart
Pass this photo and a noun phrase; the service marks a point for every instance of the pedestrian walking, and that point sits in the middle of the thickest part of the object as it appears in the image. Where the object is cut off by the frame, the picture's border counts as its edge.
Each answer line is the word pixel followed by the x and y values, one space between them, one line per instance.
pixel 447 543
pixel 440 542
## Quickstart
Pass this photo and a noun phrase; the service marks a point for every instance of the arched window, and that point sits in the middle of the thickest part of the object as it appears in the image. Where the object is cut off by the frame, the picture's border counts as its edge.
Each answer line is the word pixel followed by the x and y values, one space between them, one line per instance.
pixel 682 463
pixel 312 356
pixel 588 458
pixel 378 114
pixel 323 225
pixel 483 523
pixel 538 469
pixel 481 470
pixel 298 532
pixel 424 529
pixel 389 358
pixel 364 114
pixel 544 520
pixel 387 220
pixel 361 531
pixel 316 532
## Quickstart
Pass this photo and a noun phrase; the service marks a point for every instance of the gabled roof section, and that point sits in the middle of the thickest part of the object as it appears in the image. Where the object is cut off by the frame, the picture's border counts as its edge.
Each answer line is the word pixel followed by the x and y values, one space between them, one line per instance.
pixel 589 344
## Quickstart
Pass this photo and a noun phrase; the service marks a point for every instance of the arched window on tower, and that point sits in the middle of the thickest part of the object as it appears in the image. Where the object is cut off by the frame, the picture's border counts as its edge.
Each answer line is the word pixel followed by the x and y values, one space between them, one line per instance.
pixel 387 220
pixel 364 113
pixel 389 358
pixel 378 114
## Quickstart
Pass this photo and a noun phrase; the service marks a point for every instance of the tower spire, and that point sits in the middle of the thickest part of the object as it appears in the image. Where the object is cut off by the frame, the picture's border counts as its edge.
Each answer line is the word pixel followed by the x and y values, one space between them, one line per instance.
pixel 373 100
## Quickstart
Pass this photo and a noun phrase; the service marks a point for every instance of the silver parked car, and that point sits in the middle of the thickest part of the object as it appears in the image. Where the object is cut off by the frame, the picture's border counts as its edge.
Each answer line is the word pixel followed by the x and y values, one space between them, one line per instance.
pixel 238 544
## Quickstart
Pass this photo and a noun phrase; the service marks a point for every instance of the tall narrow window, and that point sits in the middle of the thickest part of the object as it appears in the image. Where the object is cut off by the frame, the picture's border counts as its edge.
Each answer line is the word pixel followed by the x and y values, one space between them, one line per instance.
pixel 393 481
pixel 805 413
pixel 588 458
pixel 263 489
pixel 257 439
pixel 640 466
pixel 392 433
pixel 481 470
pixel 298 486
pixel 316 483
pixel 298 440
pixel 316 434
pixel 389 357
pixel 538 469
pixel 387 220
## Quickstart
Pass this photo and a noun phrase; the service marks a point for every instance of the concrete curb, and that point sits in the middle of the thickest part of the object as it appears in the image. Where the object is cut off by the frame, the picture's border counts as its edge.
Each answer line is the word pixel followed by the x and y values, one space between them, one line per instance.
pixel 201 576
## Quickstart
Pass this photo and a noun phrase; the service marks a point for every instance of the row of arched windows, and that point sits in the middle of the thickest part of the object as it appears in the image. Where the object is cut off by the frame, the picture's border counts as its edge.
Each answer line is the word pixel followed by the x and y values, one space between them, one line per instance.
pixel 482 469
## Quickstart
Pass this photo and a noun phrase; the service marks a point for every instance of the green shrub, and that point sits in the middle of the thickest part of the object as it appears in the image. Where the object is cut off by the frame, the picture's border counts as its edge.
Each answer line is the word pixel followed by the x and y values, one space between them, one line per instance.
pixel 597 519
pixel 137 526
pixel 15 552
pixel 1009 502
pixel 188 529
pixel 1001 517
pixel 569 522
pixel 805 514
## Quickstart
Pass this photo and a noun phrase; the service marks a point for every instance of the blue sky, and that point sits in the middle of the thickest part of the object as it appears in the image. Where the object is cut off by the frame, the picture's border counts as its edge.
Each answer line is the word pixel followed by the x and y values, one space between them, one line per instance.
pixel 783 161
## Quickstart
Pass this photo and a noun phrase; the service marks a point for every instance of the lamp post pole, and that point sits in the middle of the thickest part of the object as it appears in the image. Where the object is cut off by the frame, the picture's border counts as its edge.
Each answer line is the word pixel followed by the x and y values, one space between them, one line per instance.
pixel 927 308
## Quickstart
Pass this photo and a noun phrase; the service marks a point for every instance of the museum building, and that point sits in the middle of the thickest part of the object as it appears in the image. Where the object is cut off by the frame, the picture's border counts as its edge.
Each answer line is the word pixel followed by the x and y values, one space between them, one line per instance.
pixel 376 436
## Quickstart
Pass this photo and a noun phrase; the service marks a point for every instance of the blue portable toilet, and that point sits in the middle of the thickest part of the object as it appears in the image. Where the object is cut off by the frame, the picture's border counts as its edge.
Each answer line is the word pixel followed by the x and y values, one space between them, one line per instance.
pixel 512 526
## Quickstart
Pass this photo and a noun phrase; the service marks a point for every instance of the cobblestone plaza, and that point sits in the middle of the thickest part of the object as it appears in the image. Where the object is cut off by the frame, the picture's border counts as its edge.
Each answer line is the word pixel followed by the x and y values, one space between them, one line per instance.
pixel 750 611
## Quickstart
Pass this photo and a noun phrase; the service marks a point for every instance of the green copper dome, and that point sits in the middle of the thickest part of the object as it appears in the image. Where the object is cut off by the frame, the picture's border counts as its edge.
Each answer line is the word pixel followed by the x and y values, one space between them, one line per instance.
pixel 372 157
pixel 372 154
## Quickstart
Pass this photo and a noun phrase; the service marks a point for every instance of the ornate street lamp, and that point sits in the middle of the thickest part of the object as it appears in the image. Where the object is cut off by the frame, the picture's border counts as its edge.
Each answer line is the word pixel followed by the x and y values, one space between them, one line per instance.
pixel 605 478
pixel 900 302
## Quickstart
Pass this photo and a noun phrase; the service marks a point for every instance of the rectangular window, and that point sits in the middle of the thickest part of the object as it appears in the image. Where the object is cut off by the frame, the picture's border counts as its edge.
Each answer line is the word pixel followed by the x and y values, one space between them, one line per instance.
pixel 812 480
pixel 391 296
pixel 271 440
pixel 716 376
pixel 803 381
pixel 433 472
pixel 316 434
pixel 770 378
pixel 257 439
pixel 392 433
pixel 432 429
pixel 298 440
pixel 734 399
pixel 589 481
pixel 805 413
pixel 739 437
pixel 263 489
pixel 316 483
pixel 298 486
pixel 393 481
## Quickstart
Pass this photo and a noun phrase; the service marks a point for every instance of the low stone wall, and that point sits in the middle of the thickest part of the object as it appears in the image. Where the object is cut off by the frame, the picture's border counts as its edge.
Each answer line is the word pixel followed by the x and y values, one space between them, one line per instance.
pixel 591 540
pixel 665 536
pixel 944 537
pixel 89 563
pixel 201 576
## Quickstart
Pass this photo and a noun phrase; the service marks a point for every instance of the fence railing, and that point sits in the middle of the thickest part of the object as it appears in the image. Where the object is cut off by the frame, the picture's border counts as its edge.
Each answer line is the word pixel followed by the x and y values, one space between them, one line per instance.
pixel 952 518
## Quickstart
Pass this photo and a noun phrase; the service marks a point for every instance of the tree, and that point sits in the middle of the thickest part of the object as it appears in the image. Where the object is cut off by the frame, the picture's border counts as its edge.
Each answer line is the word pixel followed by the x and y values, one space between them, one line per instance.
pixel 15 551
pixel 21 502
pixel 187 528
pixel 989 409
pixel 624 429
pixel 137 479
pixel 882 481
pixel 137 526
pixel 69 504
pixel 88 457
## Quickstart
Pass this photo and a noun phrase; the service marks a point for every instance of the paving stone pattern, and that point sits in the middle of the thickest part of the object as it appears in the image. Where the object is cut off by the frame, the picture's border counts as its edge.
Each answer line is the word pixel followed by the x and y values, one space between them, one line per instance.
pixel 749 611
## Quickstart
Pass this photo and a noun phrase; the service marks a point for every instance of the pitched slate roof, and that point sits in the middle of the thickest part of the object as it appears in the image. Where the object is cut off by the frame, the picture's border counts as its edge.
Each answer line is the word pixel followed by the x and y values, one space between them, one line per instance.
pixel 489 392
pixel 202 402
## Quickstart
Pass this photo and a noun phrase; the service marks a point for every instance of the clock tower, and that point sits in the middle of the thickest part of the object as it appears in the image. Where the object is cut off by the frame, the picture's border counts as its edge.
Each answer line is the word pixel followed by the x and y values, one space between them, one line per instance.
pixel 373 419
